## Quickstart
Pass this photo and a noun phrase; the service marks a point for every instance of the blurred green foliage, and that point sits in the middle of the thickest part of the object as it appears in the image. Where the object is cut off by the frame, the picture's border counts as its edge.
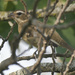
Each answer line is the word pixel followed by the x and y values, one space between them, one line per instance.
pixel 67 34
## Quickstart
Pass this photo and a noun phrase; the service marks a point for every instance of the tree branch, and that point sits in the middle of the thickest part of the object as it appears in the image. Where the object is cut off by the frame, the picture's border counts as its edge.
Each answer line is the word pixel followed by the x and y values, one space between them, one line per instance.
pixel 40 12
pixel 47 67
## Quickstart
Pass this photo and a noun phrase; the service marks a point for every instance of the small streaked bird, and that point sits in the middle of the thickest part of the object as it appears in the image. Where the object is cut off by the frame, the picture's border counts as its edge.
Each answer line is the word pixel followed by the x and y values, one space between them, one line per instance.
pixel 31 36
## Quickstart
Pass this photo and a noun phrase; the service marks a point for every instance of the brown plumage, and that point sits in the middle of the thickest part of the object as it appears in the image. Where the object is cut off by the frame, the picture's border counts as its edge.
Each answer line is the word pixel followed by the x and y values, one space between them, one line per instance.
pixel 32 36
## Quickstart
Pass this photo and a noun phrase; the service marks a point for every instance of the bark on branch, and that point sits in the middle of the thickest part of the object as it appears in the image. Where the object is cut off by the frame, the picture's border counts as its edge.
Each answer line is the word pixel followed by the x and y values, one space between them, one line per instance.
pixel 47 67
pixel 40 12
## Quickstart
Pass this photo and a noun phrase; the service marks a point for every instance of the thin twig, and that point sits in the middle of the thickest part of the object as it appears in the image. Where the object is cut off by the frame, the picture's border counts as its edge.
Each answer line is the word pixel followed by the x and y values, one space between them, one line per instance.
pixel 69 63
pixel 64 26
pixel 25 6
pixel 24 51
pixel 40 33
pixel 34 7
pixel 5 39
pixel 53 56
pixel 53 7
pixel 1 37
pixel 64 62
pixel 44 56
pixel 58 26
pixel 62 11
pixel 47 9
pixel 39 49
pixel 40 57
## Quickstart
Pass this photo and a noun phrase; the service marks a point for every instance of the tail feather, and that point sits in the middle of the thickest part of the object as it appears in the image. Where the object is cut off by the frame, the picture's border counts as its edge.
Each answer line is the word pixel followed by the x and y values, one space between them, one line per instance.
pixel 58 40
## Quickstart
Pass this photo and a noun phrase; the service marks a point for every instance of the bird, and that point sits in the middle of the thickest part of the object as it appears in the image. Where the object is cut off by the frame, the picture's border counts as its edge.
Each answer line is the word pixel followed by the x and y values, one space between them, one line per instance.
pixel 31 36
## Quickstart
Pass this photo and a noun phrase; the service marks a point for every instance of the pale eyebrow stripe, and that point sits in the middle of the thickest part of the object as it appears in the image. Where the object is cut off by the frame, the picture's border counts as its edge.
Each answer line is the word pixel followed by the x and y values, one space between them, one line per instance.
pixel 19 11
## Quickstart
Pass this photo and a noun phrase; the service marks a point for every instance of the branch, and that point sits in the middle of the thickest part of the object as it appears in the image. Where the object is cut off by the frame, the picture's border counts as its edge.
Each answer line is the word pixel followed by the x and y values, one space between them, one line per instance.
pixel 39 57
pixel 64 26
pixel 5 39
pixel 69 63
pixel 34 7
pixel 25 6
pixel 40 12
pixel 44 56
pixel 4 64
pixel 62 11
pixel 47 67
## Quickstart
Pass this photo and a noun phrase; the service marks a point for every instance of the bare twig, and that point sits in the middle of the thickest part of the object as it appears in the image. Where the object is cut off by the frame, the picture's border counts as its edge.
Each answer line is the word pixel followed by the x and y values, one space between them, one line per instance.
pixel 53 7
pixel 1 37
pixel 62 70
pixel 44 56
pixel 24 51
pixel 5 39
pixel 34 8
pixel 25 6
pixel 39 49
pixel 64 26
pixel 40 57
pixel 53 56
pixel 69 63
pixel 62 11
pixel 40 33
pixel 47 9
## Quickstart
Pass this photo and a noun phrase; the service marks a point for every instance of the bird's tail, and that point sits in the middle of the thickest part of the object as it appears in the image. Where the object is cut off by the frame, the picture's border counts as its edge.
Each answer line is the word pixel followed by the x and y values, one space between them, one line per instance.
pixel 58 40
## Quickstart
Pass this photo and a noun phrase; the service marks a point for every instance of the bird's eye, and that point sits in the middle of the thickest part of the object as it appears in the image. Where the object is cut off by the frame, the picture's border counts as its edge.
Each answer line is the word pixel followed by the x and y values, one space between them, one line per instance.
pixel 19 13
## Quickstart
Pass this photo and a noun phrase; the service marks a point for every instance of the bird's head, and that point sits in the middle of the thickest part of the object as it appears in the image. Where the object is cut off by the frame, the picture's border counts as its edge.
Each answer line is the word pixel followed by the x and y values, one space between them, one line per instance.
pixel 19 16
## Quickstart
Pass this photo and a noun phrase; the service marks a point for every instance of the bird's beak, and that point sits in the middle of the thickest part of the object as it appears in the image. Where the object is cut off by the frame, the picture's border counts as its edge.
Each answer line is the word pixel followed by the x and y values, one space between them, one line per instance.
pixel 11 15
